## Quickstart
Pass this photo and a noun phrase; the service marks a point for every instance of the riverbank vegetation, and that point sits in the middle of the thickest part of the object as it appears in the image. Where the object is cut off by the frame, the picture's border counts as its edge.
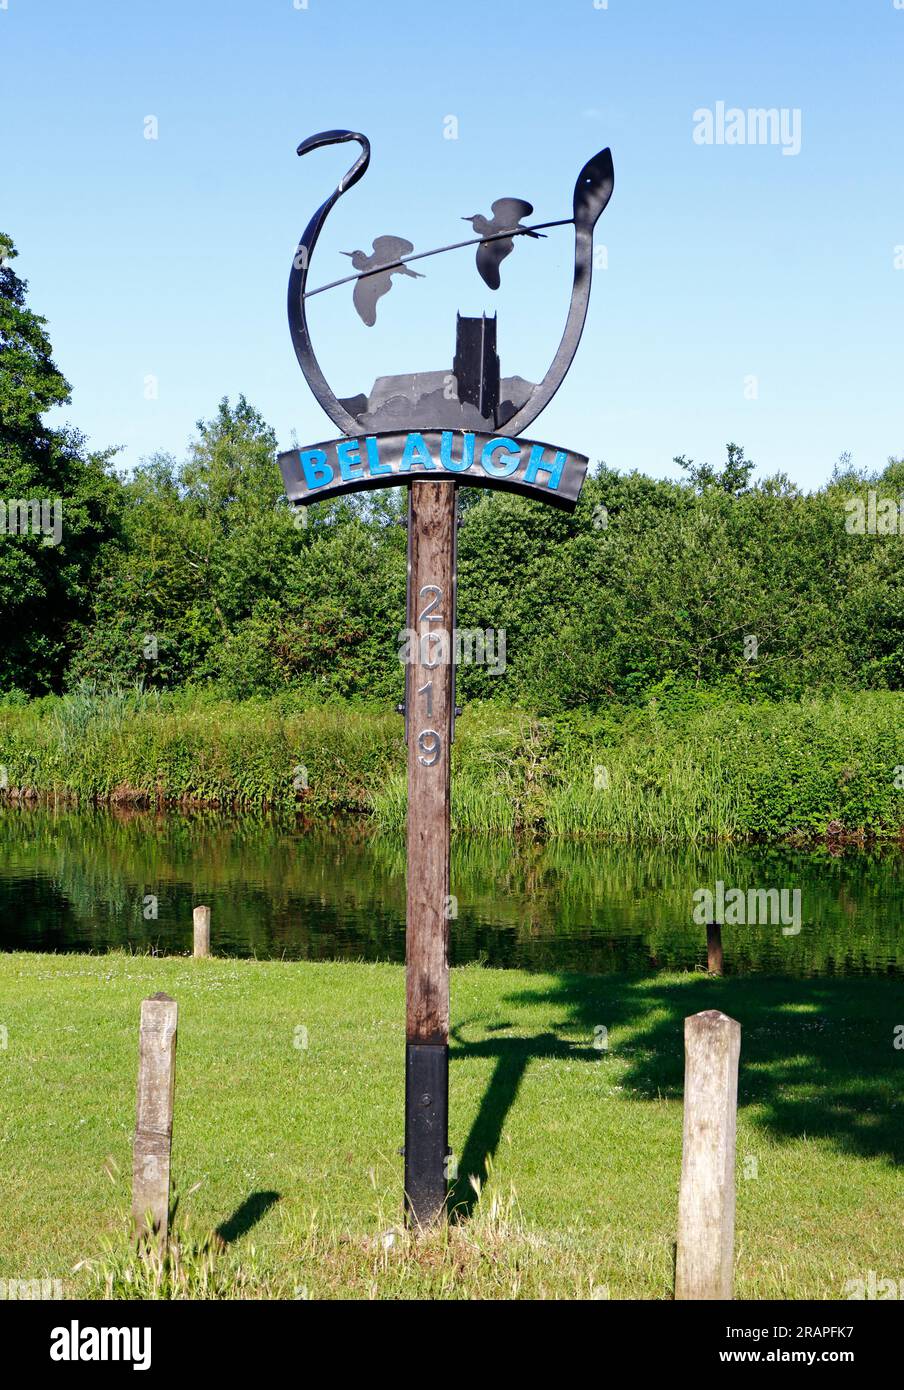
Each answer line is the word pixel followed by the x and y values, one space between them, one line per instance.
pixel 285 1158
pixel 708 769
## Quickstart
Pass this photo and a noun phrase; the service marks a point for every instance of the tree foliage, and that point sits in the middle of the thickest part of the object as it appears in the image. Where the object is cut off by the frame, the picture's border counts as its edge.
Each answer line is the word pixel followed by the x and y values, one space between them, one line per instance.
pixel 46 588
pixel 197 572
pixel 652 588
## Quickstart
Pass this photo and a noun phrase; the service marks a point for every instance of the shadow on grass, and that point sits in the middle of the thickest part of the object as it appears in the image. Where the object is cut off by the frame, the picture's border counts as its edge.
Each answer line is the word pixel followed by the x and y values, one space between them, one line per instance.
pixel 818 1056
pixel 248 1214
pixel 513 1056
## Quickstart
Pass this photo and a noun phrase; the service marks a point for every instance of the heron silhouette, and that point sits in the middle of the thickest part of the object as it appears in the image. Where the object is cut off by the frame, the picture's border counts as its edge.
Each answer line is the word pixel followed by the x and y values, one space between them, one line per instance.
pixel 387 249
pixel 507 215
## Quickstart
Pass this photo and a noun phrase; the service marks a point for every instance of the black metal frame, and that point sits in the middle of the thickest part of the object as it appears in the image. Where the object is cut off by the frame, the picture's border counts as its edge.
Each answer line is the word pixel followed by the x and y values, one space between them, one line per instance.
pixel 592 192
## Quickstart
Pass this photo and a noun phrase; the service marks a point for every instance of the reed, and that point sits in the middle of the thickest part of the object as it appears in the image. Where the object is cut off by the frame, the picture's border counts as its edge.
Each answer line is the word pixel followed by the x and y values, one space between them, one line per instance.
pixel 727 771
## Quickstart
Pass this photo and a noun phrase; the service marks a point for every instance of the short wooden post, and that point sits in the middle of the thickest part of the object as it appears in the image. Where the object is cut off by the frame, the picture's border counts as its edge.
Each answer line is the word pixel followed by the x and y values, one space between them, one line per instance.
pixel 706 1202
pixel 714 961
pixel 201 916
pixel 154 1119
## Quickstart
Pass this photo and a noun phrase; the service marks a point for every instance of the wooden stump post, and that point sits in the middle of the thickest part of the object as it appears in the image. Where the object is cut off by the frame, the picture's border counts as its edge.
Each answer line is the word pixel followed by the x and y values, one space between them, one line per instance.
pixel 714 961
pixel 154 1118
pixel 429 714
pixel 201 918
pixel 706 1202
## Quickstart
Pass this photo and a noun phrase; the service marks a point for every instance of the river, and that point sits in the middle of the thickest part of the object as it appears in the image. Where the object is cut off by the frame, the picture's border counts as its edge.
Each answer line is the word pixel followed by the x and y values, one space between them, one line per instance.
pixel 89 881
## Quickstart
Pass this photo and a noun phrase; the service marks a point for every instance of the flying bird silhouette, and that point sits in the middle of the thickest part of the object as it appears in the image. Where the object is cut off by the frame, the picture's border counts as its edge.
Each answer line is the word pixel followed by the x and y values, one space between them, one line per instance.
pixel 507 215
pixel 370 288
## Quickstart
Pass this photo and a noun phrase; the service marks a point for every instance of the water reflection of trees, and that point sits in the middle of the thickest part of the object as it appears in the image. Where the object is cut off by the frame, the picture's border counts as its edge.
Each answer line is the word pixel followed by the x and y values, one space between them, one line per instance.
pixel 80 879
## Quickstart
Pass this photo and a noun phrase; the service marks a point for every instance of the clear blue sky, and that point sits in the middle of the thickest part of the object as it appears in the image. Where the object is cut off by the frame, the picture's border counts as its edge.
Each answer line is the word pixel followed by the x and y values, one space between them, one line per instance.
pixel 170 257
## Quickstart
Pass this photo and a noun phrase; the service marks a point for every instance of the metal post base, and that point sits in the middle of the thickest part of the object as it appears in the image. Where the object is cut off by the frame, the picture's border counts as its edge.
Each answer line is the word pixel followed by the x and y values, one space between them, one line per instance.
pixel 426 1132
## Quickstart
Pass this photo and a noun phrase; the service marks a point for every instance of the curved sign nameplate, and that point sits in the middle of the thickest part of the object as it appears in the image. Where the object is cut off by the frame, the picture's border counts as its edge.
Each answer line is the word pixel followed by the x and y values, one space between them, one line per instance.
pixel 460 456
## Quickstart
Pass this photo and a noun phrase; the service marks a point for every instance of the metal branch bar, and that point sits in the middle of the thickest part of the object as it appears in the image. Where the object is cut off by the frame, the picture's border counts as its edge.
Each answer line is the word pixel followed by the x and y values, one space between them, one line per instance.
pixel 422 255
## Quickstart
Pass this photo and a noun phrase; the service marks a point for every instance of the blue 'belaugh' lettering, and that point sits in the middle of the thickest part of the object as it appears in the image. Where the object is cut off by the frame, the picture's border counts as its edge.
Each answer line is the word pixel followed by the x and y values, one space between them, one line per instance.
pixel 349 455
pixel 500 446
pixel 374 465
pixel 472 457
pixel 317 472
pixel 416 451
pixel 445 452
pixel 536 464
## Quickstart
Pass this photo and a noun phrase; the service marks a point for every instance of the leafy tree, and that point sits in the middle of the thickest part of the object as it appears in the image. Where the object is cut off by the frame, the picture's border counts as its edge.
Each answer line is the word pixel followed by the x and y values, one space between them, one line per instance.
pixel 733 478
pixel 46 580
pixel 220 583
pixel 667 589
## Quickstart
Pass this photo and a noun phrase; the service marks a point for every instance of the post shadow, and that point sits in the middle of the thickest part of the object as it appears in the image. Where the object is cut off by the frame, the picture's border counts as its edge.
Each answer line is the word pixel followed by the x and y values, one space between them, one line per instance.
pixel 246 1215
pixel 513 1056
pixel 818 1058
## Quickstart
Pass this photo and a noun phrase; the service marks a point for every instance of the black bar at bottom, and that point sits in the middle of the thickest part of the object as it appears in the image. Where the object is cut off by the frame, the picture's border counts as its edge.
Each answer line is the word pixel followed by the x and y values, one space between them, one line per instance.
pixel 426 1132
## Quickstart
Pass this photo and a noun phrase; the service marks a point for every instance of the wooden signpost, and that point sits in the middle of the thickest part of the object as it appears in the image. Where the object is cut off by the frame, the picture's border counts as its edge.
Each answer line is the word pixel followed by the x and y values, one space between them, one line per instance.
pixel 429 720
pixel 434 431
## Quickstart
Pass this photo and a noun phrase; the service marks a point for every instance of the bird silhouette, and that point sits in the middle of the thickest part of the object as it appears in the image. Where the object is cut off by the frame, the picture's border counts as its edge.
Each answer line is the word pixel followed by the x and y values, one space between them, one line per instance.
pixel 370 288
pixel 507 215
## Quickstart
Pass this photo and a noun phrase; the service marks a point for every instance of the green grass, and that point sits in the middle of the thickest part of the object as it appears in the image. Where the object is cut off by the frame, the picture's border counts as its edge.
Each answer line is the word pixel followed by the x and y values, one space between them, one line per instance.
pixel 576 1151
pixel 713 770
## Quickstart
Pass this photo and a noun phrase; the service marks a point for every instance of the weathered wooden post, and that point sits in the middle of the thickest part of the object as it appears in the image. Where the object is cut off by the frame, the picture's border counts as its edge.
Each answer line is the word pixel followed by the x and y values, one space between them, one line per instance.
pixel 429 716
pixel 435 430
pixel 714 961
pixel 201 921
pixel 706 1201
pixel 154 1118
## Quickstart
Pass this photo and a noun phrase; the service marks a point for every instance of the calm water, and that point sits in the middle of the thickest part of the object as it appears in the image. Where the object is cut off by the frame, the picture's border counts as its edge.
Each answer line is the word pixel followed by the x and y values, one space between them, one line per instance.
pixel 75 881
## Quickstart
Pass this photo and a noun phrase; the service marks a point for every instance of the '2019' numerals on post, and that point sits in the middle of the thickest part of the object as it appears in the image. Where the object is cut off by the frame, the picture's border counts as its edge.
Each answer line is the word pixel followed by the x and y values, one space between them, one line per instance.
pixel 429 741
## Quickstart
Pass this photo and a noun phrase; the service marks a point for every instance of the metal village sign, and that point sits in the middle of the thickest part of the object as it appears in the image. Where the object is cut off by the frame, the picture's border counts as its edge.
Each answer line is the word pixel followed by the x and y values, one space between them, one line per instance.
pixel 433 431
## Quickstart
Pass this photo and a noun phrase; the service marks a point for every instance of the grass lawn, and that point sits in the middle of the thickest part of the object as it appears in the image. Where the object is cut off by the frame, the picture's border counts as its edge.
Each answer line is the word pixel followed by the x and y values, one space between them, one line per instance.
pixel 291 1152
